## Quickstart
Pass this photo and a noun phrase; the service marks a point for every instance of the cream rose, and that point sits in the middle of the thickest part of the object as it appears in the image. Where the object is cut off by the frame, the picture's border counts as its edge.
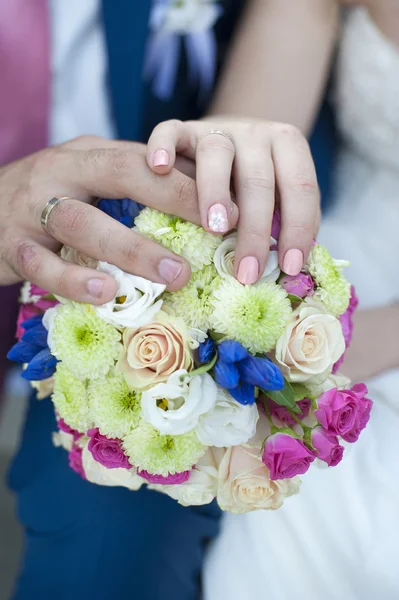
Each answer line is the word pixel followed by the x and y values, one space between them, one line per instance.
pixel 310 344
pixel 97 473
pixel 155 351
pixel 224 260
pixel 201 486
pixel 44 388
pixel 78 258
pixel 244 483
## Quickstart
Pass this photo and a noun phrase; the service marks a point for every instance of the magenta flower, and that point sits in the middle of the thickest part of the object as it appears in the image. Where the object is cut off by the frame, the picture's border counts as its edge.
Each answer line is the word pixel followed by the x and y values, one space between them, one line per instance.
pixel 168 480
pixel 75 461
pixel 283 415
pixel 276 224
pixel 299 285
pixel 26 312
pixel 344 412
pixel 107 451
pixel 62 426
pixel 347 325
pixel 285 456
pixel 327 447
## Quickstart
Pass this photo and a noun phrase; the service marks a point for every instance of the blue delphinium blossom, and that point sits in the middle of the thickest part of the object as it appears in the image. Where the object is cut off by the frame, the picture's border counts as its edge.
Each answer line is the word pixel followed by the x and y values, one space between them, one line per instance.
pixel 206 350
pixel 33 349
pixel 240 372
pixel 124 210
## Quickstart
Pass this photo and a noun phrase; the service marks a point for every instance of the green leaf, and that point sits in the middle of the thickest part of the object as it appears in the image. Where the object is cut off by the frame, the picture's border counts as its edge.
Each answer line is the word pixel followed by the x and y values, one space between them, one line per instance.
pixel 300 391
pixel 284 397
pixel 294 299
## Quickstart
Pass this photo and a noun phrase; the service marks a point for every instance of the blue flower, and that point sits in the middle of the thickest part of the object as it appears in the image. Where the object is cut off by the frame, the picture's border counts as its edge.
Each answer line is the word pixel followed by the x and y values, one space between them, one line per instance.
pixel 124 211
pixel 32 322
pixel 240 372
pixel 23 352
pixel 42 366
pixel 33 349
pixel 206 350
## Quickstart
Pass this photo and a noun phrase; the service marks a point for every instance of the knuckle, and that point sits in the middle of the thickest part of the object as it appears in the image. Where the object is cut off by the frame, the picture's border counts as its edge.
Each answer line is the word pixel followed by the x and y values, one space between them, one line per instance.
pixel 28 260
pixel 258 180
pixel 304 183
pixel 255 235
pixel 185 191
pixel 72 218
pixel 131 249
pixel 215 142
pixel 82 141
pixel 287 129
pixel 63 282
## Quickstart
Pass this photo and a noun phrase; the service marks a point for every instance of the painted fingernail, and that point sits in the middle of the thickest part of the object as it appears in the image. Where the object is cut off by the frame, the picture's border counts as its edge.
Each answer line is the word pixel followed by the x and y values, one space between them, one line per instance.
pixel 169 269
pixel 95 287
pixel 248 271
pixel 293 261
pixel 160 158
pixel 217 219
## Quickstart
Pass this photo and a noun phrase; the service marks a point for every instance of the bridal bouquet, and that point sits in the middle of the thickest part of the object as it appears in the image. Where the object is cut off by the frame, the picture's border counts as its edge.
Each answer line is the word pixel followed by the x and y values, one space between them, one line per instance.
pixel 219 390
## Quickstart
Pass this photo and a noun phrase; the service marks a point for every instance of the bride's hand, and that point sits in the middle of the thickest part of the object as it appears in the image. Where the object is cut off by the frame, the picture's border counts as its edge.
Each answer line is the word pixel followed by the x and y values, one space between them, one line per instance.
pixel 82 169
pixel 267 162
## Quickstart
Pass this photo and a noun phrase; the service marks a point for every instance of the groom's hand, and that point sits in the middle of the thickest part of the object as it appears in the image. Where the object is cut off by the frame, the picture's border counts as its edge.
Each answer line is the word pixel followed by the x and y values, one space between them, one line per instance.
pixel 82 169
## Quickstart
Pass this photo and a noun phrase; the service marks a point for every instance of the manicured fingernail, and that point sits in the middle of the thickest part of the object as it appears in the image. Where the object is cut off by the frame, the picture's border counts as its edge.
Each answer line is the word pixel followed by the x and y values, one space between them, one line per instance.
pixel 160 158
pixel 248 271
pixel 169 269
pixel 217 219
pixel 95 287
pixel 293 262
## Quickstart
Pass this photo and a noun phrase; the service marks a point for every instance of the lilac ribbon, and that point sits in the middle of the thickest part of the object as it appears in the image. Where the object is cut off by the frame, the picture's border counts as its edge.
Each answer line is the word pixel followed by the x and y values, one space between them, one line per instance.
pixel 163 54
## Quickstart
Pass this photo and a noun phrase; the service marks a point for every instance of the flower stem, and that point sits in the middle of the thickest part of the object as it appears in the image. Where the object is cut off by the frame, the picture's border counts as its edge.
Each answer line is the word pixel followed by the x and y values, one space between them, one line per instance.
pixel 202 369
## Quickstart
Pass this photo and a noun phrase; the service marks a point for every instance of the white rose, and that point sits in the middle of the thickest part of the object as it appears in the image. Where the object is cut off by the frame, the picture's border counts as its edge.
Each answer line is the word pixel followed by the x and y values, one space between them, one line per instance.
pixel 201 486
pixel 224 260
pixel 48 322
pixel 310 344
pixel 44 388
pixel 174 407
pixel 135 302
pixel 78 258
pixel 62 439
pixel 97 473
pixel 244 483
pixel 340 382
pixel 229 423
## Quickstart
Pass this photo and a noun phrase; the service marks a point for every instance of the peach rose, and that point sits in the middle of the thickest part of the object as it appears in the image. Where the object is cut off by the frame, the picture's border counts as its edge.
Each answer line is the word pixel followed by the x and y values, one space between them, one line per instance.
pixel 154 351
pixel 244 483
pixel 310 344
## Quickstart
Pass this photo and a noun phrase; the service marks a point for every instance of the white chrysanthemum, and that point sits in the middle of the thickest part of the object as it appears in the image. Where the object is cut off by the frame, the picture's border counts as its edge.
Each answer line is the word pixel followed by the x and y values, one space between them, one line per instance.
pixel 160 454
pixel 116 408
pixel 255 316
pixel 225 254
pixel 85 343
pixel 193 303
pixel 70 400
pixel 186 239
pixel 334 289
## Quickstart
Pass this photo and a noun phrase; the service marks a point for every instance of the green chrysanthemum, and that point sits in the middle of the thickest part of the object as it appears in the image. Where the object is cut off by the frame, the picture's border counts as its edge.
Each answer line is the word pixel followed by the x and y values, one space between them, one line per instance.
pixel 85 343
pixel 115 407
pixel 193 303
pixel 162 454
pixel 254 315
pixel 70 399
pixel 186 239
pixel 334 289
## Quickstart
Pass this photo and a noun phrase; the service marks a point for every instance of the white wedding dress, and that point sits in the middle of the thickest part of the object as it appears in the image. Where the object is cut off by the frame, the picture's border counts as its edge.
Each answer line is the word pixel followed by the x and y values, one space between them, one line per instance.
pixel 338 539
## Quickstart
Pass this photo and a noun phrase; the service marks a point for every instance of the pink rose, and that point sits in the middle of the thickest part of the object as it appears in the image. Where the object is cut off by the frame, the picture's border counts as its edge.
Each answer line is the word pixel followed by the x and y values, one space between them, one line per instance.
pixel 62 426
pixel 327 447
pixel 285 456
pixel 347 326
pixel 107 451
pixel 26 311
pixel 168 480
pixel 283 415
pixel 154 351
pixel 344 412
pixel 75 461
pixel 299 285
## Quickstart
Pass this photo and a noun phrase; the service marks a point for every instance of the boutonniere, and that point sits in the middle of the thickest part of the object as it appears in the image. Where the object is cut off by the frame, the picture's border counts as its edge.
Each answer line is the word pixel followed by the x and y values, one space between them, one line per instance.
pixel 177 24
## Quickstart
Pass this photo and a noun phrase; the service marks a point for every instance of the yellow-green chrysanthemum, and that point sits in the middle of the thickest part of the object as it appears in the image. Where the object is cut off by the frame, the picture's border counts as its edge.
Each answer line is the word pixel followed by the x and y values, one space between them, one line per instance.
pixel 85 343
pixel 193 302
pixel 162 454
pixel 115 407
pixel 334 289
pixel 253 315
pixel 186 239
pixel 70 399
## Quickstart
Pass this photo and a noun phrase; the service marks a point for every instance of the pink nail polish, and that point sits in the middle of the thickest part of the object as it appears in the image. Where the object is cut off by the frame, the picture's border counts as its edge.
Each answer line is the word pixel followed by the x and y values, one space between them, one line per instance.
pixel 160 158
pixel 217 219
pixel 293 261
pixel 248 271
pixel 169 269
pixel 95 287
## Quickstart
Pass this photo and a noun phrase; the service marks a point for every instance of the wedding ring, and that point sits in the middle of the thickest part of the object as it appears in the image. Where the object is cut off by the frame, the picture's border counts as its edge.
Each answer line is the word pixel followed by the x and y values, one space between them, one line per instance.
pixel 47 210
pixel 216 132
